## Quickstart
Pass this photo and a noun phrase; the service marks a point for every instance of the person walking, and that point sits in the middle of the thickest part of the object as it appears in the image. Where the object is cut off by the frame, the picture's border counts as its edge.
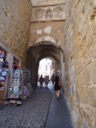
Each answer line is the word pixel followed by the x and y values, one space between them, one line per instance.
pixel 41 80
pixel 56 86
pixel 53 78
pixel 46 80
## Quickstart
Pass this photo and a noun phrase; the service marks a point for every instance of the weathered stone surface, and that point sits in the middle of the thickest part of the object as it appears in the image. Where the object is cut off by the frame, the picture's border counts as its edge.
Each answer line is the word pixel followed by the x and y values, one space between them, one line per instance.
pixel 46 2
pixel 47 29
pixel 48 13
pixel 14 25
pixel 53 33
pixel 80 51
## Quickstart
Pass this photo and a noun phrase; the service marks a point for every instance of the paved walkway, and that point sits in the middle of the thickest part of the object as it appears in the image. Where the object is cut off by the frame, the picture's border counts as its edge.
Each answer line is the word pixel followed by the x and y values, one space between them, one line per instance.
pixel 31 114
pixel 59 116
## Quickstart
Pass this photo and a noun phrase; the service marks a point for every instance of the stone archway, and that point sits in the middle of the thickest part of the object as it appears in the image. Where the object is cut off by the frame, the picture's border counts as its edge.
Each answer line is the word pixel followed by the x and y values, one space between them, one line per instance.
pixel 46 40
pixel 37 52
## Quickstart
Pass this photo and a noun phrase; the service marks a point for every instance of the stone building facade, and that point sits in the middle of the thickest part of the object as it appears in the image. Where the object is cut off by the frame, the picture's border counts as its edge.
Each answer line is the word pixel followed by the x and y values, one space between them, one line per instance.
pixel 80 59
pixel 69 38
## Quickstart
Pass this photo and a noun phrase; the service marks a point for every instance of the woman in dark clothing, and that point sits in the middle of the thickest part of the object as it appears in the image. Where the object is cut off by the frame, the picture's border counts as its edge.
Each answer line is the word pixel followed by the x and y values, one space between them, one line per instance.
pixel 56 86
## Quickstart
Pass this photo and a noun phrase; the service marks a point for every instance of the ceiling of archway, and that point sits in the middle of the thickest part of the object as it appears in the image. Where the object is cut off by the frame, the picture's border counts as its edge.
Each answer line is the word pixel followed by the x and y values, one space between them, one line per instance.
pixel 40 52
pixel 50 55
pixel 46 2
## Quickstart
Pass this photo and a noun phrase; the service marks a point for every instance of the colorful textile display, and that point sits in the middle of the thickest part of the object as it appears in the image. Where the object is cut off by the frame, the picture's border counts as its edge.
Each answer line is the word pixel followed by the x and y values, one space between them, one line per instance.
pixel 20 85
pixel 11 84
pixel 27 88
pixel 14 88
pixel 3 81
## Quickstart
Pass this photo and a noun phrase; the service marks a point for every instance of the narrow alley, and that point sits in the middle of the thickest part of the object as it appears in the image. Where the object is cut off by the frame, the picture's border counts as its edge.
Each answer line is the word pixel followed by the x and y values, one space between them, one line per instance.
pixel 47 44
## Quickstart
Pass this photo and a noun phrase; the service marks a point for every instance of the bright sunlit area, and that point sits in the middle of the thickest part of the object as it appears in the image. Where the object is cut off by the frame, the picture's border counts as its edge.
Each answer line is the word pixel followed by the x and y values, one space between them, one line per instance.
pixel 47 68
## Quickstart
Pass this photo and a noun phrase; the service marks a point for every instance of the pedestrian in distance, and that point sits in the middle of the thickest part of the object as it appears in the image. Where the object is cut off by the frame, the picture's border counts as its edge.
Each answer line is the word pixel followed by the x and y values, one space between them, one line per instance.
pixel 53 78
pixel 41 80
pixel 46 80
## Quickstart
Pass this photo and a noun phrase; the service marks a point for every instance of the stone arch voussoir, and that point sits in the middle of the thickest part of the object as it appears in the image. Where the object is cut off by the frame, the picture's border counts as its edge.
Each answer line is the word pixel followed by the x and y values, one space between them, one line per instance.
pixel 46 40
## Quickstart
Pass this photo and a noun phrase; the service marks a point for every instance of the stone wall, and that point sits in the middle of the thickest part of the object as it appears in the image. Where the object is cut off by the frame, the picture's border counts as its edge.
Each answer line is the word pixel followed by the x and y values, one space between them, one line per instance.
pixel 51 29
pixel 80 58
pixel 15 18
pixel 47 13
pixel 46 2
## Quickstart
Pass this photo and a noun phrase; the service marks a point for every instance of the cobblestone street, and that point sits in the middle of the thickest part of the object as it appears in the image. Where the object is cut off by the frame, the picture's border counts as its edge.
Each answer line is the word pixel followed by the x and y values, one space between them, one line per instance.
pixel 31 114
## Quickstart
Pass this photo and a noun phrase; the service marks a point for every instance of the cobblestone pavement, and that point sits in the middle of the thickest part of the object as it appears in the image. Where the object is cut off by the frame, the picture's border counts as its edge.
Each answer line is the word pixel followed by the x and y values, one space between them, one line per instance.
pixel 31 114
